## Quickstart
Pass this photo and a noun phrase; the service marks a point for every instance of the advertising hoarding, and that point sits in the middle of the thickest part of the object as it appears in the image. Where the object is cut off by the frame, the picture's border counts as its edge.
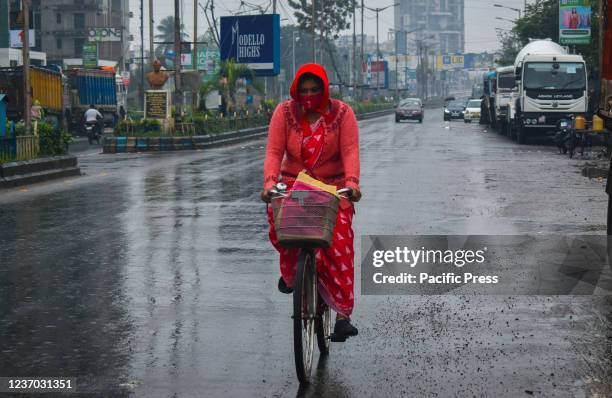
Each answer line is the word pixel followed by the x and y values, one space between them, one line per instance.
pixel 208 62
pixel 450 62
pixel 104 34
pixel 575 21
pixel 252 40
pixel 17 38
pixel 376 73
pixel 90 55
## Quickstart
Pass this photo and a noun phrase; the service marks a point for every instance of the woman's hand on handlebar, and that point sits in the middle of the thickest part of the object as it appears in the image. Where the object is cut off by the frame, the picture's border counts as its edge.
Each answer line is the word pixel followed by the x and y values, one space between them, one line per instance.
pixel 266 195
pixel 354 195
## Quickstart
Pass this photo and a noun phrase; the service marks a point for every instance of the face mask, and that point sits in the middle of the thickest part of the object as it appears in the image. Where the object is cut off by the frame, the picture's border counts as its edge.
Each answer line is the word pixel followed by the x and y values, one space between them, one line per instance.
pixel 310 102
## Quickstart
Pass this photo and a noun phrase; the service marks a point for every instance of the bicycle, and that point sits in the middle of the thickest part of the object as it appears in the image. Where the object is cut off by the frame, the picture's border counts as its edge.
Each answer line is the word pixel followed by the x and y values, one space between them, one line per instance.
pixel 311 315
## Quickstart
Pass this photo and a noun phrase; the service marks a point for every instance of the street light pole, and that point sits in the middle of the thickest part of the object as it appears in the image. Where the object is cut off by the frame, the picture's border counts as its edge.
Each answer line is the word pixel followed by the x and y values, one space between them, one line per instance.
pixel 151 34
pixel 377 58
pixel 293 45
pixel 177 60
pixel 361 74
pixel 141 88
pixel 377 11
pixel 194 53
pixel 509 8
pixel 314 47
pixel 406 32
pixel 506 19
pixel 354 72
pixel 25 9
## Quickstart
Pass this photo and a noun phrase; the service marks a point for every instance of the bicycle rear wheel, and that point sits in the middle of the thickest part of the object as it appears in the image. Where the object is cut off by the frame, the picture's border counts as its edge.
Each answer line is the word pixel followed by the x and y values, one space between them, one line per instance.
pixel 304 314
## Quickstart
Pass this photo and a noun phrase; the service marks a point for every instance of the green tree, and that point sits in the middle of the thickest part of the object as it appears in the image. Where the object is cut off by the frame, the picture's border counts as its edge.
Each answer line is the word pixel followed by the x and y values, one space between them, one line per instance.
pixel 165 34
pixel 330 18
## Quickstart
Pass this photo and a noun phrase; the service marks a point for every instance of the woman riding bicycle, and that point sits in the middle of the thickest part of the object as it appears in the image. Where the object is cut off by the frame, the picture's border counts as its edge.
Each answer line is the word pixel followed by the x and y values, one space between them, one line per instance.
pixel 320 135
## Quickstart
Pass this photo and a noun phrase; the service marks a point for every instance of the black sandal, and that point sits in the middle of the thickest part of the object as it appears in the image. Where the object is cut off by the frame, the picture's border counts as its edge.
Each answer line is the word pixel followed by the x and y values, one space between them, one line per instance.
pixel 342 330
pixel 283 288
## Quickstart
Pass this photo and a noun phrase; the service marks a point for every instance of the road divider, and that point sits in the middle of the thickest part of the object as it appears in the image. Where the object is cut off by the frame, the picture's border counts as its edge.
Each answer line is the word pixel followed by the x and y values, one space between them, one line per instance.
pixel 152 144
pixel 14 174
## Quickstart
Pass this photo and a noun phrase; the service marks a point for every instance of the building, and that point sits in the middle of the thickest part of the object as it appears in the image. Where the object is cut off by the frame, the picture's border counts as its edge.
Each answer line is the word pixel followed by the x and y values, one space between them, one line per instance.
pixel 440 21
pixel 63 27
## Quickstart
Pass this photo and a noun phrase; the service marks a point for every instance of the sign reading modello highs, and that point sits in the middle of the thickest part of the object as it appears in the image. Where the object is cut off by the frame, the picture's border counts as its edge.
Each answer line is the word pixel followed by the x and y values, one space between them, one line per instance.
pixel 253 40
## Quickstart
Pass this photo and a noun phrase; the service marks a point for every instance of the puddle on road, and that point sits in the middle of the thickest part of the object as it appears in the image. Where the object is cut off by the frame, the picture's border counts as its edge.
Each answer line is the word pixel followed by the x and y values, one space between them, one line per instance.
pixel 594 171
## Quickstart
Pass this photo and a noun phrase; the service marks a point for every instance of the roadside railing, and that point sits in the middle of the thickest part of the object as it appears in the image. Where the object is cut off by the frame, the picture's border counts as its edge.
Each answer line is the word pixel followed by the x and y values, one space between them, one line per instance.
pixel 19 148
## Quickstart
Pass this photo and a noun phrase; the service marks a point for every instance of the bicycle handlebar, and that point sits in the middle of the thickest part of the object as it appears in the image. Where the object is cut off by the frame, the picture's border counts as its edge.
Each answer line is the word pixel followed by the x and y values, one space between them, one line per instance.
pixel 339 192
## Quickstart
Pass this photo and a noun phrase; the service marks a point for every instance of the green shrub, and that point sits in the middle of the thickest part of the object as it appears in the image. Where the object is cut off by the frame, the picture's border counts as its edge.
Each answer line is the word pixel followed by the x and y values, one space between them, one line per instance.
pixel 53 141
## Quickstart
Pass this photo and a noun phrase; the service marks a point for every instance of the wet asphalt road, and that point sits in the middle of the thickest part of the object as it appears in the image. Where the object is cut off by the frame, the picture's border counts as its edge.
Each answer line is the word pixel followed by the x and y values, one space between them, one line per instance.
pixel 152 275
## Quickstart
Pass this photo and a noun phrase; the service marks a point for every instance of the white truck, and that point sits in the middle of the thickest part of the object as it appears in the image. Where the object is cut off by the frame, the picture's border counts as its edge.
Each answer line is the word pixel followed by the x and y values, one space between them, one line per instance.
pixel 504 88
pixel 552 85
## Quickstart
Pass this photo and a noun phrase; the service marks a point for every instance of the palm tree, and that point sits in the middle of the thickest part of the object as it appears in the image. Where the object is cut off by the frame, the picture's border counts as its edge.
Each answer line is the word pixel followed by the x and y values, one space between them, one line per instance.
pixel 227 79
pixel 166 35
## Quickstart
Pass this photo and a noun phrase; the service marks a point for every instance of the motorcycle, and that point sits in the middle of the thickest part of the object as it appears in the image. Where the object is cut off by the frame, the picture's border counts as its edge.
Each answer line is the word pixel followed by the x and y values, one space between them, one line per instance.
pixel 564 137
pixel 93 131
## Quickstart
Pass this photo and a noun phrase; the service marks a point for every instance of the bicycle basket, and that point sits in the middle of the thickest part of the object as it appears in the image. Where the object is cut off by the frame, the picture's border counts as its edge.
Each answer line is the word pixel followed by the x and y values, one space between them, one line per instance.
pixel 305 218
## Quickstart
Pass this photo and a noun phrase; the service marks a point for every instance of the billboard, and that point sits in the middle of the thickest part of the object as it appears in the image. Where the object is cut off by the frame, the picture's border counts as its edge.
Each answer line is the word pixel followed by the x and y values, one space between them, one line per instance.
pixel 450 62
pixel 104 34
pixel 208 62
pixel 574 21
pixel 17 38
pixel 90 55
pixel 376 73
pixel 478 61
pixel 253 40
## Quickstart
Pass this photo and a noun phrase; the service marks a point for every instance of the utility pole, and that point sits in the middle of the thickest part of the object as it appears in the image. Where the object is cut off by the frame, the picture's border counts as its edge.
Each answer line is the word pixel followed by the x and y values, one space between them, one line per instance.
pixel 275 77
pixel 142 72
pixel 601 37
pixel 178 97
pixel 194 53
pixel 314 47
pixel 321 28
pixel 396 74
pixel 151 33
pixel 354 49
pixel 377 57
pixel 362 50
pixel 293 46
pixel 25 9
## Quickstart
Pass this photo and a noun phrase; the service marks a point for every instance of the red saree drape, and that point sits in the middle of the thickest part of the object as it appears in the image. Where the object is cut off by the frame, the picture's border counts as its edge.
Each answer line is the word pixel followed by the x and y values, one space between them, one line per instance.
pixel 335 265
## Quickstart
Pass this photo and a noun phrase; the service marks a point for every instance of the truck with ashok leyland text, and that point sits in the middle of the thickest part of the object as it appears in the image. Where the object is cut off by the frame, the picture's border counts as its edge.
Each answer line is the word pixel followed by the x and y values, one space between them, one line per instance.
pixel 552 85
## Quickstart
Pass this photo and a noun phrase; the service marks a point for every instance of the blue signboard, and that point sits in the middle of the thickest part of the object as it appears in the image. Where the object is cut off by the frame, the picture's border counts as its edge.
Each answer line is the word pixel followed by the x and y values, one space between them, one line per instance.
pixel 253 40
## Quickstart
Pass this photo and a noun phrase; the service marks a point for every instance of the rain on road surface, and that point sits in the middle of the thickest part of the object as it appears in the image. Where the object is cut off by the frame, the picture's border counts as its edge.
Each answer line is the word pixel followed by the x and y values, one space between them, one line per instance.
pixel 152 275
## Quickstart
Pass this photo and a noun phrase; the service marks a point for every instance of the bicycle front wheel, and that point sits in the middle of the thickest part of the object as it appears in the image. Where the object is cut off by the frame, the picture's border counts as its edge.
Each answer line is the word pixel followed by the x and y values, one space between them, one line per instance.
pixel 323 326
pixel 304 314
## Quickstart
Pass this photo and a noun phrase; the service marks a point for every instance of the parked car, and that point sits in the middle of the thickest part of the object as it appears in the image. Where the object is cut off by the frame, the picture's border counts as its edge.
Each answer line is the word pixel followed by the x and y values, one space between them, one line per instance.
pixel 454 110
pixel 409 108
pixel 472 110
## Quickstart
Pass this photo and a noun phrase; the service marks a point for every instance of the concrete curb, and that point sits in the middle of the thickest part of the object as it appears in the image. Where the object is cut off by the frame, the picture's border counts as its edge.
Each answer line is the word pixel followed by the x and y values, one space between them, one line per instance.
pixel 14 174
pixel 154 144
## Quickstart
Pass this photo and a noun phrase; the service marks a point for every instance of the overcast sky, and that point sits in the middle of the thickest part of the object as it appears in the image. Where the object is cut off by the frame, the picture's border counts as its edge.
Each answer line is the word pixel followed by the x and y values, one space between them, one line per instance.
pixel 480 22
